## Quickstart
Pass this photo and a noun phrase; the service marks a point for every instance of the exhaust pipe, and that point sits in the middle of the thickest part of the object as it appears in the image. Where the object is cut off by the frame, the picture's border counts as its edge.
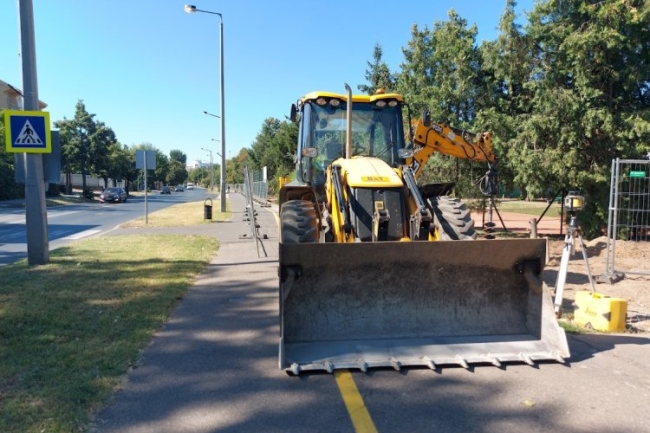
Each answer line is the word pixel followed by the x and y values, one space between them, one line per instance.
pixel 348 139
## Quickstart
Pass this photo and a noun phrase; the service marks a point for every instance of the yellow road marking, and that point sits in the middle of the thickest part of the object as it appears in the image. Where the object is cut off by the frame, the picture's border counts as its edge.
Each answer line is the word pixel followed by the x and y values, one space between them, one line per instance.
pixel 354 403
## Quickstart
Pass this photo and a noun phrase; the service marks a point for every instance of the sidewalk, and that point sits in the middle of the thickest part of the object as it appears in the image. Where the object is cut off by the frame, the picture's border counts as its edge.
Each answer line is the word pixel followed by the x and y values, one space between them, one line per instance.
pixel 224 329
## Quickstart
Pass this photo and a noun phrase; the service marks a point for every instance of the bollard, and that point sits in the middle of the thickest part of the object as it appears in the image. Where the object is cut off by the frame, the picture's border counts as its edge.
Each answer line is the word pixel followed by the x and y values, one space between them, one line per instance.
pixel 533 228
pixel 207 209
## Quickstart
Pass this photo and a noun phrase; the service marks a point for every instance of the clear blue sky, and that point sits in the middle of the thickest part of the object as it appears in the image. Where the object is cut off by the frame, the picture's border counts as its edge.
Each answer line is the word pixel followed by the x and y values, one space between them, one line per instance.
pixel 148 69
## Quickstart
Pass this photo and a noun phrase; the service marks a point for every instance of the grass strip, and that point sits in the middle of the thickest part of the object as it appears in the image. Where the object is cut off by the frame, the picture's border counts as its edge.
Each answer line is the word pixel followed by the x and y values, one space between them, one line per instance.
pixel 182 214
pixel 69 330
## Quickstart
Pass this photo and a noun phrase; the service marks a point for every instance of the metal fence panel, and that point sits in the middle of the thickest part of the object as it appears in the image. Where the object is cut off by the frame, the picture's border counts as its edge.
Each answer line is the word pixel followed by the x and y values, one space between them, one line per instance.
pixel 259 188
pixel 629 210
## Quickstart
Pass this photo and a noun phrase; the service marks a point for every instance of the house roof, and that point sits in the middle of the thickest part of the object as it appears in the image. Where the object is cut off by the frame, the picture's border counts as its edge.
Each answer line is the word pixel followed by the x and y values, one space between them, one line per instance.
pixel 9 90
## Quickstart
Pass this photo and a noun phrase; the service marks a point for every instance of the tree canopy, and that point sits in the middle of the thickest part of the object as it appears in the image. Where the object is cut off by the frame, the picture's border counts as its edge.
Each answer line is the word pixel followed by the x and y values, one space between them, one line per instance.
pixel 564 94
pixel 572 94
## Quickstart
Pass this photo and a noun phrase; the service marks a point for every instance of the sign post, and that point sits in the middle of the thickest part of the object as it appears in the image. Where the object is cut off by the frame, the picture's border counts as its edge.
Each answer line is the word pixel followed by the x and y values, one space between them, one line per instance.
pixel 145 160
pixel 23 135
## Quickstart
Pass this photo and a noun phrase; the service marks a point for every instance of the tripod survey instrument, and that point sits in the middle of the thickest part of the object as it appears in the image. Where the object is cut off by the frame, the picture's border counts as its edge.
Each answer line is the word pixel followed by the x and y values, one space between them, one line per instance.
pixel 573 203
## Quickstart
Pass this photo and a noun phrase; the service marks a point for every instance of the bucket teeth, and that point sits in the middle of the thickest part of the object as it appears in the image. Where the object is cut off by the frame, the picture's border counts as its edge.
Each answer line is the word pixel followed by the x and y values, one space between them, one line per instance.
pixel 429 363
pixel 527 359
pixel 396 364
pixel 329 367
pixel 462 362
pixel 363 367
pixel 494 360
pixel 295 369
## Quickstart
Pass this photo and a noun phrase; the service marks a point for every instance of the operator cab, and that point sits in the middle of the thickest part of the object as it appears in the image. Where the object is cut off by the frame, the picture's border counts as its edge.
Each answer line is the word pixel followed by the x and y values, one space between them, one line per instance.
pixel 377 131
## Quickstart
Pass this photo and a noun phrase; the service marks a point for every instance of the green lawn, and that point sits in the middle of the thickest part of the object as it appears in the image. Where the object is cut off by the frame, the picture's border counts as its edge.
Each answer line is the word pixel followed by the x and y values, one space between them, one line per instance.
pixel 70 329
pixel 528 207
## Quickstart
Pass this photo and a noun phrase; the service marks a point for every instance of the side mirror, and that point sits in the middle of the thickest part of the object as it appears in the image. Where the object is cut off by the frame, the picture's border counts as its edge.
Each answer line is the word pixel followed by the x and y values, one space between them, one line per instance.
pixel 294 113
pixel 426 117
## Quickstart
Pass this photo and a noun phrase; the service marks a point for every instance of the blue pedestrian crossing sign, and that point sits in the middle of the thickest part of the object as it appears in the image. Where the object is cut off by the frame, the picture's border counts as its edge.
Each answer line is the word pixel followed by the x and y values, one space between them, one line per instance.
pixel 27 131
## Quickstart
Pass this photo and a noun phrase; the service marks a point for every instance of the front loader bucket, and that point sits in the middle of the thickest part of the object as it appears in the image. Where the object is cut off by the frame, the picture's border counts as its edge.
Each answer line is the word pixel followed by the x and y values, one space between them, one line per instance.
pixel 394 304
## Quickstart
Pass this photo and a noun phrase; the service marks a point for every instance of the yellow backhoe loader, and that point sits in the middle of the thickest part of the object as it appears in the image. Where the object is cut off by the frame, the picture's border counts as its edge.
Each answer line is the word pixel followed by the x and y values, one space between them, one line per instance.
pixel 378 271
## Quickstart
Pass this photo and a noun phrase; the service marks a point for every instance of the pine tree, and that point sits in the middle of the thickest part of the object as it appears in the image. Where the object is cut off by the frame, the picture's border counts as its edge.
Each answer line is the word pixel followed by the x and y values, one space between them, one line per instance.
pixel 378 74
pixel 442 73
pixel 589 99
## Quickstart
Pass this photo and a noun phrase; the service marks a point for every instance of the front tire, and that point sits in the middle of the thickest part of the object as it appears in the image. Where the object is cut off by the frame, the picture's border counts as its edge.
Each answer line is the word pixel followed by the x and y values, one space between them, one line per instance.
pixel 298 222
pixel 452 219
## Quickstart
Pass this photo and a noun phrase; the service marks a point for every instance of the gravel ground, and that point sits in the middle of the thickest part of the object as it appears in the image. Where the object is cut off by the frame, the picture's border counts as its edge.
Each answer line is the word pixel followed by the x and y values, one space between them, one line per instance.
pixel 634 288
pixel 630 256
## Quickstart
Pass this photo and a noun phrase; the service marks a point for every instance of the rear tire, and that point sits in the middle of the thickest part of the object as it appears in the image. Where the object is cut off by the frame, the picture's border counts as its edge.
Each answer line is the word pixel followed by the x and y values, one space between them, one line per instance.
pixel 298 222
pixel 452 219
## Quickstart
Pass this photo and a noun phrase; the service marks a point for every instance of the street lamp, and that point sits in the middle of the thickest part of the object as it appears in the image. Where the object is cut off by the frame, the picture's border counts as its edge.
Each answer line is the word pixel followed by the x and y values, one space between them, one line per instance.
pixel 191 9
pixel 211 169
pixel 213 115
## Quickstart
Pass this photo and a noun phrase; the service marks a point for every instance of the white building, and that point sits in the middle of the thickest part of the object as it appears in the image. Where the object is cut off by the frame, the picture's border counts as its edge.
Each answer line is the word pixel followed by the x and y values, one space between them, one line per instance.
pixel 193 165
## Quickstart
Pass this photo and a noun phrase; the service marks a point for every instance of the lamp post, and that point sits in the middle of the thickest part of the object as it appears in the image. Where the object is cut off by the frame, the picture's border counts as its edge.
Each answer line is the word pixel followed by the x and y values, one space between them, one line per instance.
pixel 222 176
pixel 211 169
pixel 191 9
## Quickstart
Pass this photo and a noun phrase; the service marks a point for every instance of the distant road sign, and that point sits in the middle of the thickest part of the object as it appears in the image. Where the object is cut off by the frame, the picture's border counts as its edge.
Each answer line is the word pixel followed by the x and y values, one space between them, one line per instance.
pixel 27 131
pixel 145 155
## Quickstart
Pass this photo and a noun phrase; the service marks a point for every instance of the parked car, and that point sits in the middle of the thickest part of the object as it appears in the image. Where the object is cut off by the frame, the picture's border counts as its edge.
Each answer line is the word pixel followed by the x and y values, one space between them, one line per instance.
pixel 113 195
pixel 166 190
pixel 179 188
pixel 190 185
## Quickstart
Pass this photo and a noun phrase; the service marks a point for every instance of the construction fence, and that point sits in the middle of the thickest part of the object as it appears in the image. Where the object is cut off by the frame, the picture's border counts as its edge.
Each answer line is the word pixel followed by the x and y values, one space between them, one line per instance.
pixel 629 212
pixel 259 187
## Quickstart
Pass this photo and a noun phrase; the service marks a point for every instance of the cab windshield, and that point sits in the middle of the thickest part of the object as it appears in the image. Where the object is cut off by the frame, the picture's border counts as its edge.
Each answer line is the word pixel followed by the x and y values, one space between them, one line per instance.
pixel 376 132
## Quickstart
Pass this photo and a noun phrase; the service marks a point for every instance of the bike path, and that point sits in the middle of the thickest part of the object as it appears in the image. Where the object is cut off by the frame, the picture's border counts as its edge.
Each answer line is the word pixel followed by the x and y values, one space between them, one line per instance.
pixel 213 367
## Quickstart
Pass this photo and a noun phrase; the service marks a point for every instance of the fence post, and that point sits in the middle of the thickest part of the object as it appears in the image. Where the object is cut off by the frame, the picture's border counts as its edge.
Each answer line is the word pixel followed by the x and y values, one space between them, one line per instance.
pixel 533 228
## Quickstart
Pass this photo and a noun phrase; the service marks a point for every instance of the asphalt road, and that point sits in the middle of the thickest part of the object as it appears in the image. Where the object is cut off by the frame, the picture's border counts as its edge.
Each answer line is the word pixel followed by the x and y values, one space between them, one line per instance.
pixel 214 368
pixel 68 223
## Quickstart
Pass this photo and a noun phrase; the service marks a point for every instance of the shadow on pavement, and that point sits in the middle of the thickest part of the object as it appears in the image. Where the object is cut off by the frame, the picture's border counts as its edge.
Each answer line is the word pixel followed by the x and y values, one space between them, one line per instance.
pixel 585 346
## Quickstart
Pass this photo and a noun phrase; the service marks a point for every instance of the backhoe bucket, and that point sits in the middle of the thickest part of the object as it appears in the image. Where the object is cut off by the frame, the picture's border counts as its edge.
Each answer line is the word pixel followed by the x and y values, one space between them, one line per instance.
pixel 399 304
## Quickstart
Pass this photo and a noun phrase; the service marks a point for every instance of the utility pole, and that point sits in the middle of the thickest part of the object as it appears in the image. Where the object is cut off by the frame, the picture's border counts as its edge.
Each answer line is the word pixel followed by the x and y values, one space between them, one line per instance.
pixel 38 249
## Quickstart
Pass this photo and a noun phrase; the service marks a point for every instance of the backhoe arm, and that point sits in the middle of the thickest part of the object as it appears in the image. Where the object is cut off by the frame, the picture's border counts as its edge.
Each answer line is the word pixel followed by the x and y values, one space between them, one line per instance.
pixel 442 138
